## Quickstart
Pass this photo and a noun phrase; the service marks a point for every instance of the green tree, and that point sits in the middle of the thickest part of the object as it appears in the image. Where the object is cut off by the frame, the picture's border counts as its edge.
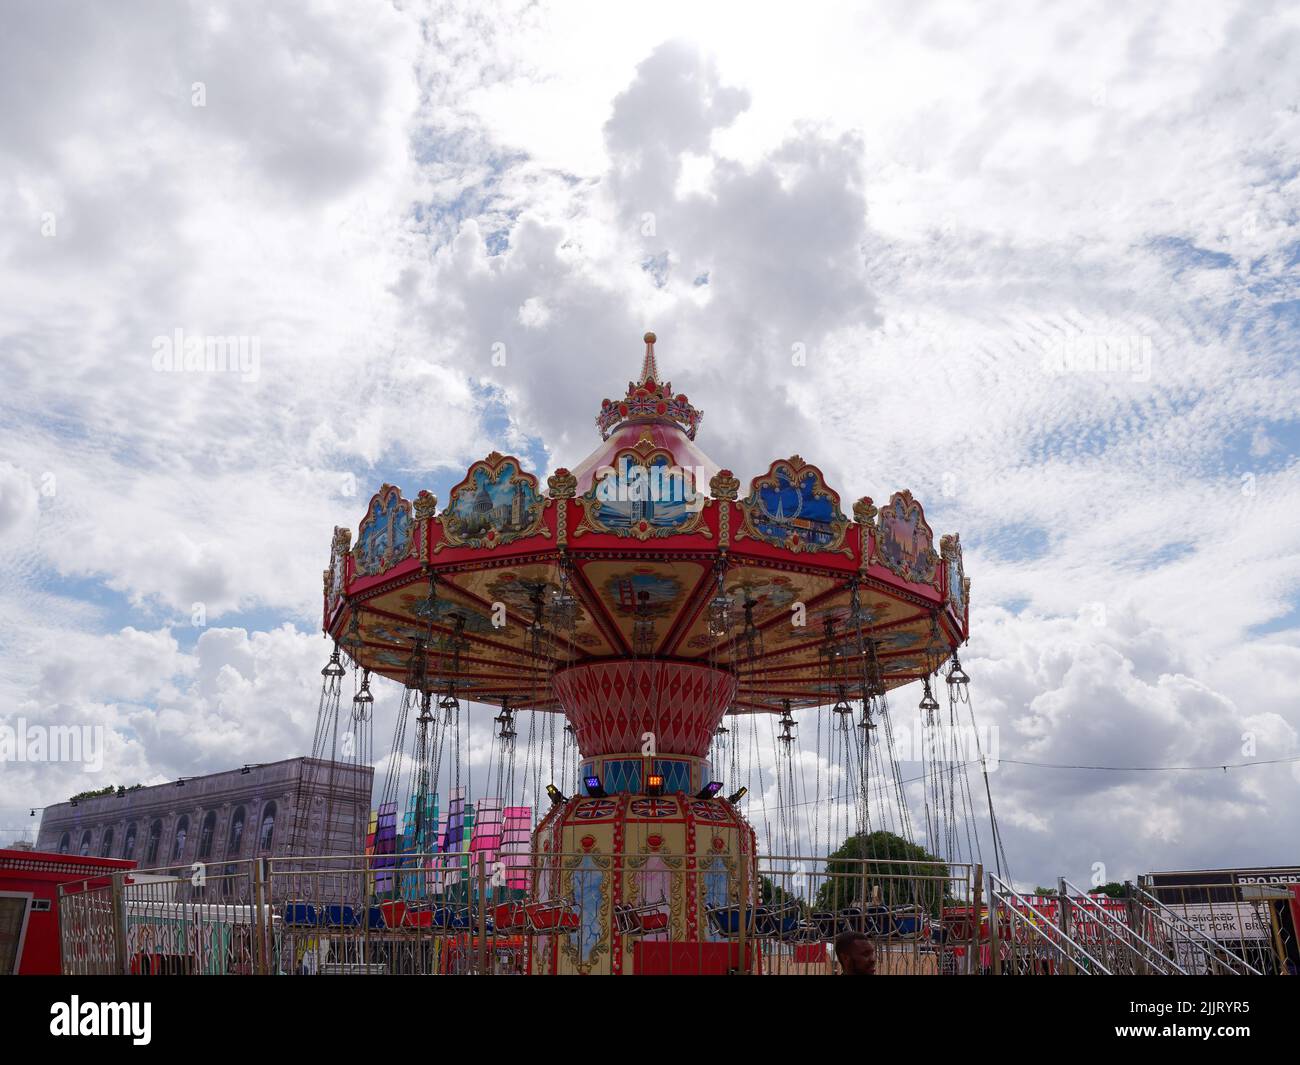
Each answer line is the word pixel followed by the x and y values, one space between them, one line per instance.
pixel 865 867
pixel 108 789
pixel 96 794
pixel 1113 890
pixel 771 893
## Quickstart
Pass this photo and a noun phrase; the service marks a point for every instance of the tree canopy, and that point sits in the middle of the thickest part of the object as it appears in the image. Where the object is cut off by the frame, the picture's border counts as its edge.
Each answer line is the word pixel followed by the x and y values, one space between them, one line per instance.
pixel 108 789
pixel 878 863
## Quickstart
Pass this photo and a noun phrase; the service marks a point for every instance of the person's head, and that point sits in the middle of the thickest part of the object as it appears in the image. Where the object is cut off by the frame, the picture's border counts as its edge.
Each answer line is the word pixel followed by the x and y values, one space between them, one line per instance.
pixel 857 954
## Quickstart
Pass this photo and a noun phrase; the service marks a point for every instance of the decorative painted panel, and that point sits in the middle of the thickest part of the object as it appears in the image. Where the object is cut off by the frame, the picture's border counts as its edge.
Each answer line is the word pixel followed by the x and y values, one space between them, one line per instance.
pixel 791 507
pixel 336 575
pixel 497 503
pixel 958 585
pixel 644 494
pixel 384 537
pixel 905 542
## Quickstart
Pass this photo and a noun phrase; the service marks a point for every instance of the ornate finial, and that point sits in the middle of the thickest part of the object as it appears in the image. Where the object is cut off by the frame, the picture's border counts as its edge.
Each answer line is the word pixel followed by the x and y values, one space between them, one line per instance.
pixel 649 399
pixel 562 484
pixel 864 512
pixel 724 485
pixel 649 371
pixel 426 505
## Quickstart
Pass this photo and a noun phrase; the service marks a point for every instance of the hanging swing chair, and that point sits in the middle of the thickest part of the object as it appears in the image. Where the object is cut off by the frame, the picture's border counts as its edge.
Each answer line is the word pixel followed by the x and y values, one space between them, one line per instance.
pixel 554 917
pixel 642 920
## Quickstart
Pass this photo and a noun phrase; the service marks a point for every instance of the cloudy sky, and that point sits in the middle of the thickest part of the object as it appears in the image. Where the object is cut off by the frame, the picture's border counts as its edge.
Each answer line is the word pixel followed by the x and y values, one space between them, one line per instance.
pixel 1043 263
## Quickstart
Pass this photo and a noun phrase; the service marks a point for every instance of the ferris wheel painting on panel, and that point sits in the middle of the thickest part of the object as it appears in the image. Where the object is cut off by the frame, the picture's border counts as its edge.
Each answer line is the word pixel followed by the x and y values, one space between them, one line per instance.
pixel 644 617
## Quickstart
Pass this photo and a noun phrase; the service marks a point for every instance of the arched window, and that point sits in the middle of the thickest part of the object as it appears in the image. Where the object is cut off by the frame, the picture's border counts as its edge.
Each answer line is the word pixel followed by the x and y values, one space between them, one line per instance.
pixel 65 843
pixel 85 844
pixel 151 851
pixel 236 839
pixel 206 833
pixel 182 830
pixel 106 846
pixel 128 844
pixel 267 832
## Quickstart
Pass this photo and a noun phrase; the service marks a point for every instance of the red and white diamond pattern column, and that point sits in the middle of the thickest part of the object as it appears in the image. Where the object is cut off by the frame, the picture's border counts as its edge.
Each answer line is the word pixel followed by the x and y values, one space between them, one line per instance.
pixel 612 704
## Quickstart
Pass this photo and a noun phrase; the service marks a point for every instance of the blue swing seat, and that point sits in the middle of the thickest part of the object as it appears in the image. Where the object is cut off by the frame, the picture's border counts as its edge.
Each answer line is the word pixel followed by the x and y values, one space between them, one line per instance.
pixel 726 920
pixel 778 922
pixel 299 914
pixel 340 916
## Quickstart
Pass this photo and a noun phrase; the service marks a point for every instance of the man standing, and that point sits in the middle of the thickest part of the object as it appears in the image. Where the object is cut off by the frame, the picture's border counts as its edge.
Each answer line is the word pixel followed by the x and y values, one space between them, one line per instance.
pixel 856 953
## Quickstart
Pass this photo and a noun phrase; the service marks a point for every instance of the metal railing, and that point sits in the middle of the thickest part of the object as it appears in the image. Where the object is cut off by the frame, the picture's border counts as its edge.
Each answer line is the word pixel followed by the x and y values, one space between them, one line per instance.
pixel 1118 941
pixel 151 923
pixel 1026 941
pixel 1197 951
pixel 773 915
pixel 438 914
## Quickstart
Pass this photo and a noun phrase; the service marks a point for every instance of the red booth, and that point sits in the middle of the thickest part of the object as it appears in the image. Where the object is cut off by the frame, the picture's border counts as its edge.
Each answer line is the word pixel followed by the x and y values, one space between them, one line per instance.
pixel 29 905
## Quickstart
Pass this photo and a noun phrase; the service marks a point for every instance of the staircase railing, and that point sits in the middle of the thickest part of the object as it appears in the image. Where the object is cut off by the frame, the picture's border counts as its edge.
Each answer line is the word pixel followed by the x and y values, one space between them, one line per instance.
pixel 1025 941
pixel 1184 939
pixel 1124 949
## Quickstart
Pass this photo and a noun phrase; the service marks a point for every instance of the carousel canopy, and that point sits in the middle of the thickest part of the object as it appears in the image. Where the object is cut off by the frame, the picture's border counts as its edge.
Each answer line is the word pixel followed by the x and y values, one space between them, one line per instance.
pixel 646 551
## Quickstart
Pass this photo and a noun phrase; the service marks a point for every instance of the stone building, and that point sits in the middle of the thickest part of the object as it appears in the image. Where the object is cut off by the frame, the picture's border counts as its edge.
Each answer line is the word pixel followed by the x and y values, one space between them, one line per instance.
pixel 272 810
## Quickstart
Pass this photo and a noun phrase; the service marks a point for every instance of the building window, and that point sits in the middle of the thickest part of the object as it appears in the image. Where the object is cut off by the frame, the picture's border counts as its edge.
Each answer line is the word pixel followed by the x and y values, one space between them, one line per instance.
pixel 182 830
pixel 206 833
pixel 151 851
pixel 106 848
pixel 267 832
pixel 128 844
pixel 85 844
pixel 236 833
pixel 65 843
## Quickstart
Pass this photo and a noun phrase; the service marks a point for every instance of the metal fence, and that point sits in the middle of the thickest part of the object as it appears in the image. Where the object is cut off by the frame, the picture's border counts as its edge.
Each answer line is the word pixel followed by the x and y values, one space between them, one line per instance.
pixel 1028 938
pixel 1223 929
pixel 661 913
pixel 418 914
pixel 1072 932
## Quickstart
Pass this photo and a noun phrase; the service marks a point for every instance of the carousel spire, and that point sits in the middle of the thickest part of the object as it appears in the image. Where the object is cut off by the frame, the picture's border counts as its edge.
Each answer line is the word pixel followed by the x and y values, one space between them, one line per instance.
pixel 649 371
pixel 649 399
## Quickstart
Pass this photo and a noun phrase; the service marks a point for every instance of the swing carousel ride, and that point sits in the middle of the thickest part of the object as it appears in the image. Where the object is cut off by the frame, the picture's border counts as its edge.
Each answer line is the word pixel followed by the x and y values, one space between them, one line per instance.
pixel 672 648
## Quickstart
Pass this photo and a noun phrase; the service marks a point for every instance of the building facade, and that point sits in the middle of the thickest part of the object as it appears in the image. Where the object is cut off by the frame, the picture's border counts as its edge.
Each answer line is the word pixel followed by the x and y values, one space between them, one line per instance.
pixel 300 806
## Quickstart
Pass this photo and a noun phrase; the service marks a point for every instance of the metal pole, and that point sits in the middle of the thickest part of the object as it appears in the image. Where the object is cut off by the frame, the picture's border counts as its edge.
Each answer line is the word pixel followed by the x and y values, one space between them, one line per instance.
pixel 1133 919
pixel 1278 948
pixel 61 915
pixel 262 919
pixel 119 923
pixel 976 900
pixel 744 905
pixel 363 908
pixel 482 914
pixel 995 944
pixel 1063 914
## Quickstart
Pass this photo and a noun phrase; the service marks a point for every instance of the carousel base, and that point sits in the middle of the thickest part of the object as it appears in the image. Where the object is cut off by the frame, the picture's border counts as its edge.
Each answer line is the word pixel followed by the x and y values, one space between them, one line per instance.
pixel 642 884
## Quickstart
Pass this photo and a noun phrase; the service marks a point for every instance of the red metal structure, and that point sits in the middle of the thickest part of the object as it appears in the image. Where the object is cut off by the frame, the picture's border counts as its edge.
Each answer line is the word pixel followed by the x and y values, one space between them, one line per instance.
pixel 29 905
